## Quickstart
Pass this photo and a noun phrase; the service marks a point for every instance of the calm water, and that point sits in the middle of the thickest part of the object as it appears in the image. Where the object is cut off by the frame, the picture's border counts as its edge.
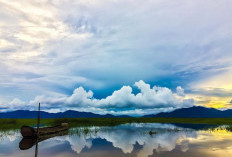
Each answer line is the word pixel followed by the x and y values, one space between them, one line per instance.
pixel 126 140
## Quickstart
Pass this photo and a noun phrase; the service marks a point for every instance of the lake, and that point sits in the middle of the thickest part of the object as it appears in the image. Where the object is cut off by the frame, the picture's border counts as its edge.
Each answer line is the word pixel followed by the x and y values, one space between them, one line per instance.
pixel 129 140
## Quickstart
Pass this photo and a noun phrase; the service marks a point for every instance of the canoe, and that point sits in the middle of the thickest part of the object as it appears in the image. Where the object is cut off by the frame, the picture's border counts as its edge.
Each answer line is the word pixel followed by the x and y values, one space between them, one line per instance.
pixel 27 131
pixel 29 142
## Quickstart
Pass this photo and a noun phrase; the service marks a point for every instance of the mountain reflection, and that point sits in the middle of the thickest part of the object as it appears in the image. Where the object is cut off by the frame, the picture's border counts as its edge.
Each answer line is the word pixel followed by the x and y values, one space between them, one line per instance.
pixel 124 140
pixel 125 137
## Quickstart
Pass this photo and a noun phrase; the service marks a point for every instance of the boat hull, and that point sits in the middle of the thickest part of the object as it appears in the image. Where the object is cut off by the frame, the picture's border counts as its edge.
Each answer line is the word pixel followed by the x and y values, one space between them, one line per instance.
pixel 27 131
pixel 29 142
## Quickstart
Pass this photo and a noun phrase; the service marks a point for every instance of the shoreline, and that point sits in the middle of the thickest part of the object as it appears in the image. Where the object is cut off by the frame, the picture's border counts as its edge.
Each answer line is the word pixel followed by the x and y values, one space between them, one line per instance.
pixel 6 124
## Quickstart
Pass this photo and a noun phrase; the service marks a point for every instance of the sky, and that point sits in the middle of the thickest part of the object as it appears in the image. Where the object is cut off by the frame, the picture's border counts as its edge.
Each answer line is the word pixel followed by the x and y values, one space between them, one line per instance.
pixel 131 57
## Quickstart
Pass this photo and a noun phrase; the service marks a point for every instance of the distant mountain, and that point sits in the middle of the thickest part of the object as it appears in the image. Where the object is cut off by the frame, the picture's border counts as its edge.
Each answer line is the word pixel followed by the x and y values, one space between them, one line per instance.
pixel 195 112
pixel 192 112
pixel 66 114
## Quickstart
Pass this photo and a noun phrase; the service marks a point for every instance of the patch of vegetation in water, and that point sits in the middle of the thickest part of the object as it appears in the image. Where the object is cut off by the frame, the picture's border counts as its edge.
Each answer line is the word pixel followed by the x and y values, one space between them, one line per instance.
pixel 83 130
pixel 229 128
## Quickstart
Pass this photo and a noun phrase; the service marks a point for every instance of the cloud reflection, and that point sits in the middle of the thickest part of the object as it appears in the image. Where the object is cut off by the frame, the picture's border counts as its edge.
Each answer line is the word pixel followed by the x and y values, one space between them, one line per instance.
pixel 126 136
pixel 126 140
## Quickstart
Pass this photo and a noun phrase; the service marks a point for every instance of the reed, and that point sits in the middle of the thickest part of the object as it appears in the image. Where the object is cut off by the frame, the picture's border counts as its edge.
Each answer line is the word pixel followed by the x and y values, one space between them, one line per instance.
pixel 74 122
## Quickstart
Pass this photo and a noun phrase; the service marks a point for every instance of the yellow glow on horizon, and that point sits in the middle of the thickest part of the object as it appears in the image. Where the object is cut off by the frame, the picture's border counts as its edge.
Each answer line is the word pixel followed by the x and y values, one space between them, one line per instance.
pixel 216 102
pixel 221 81
pixel 211 101
pixel 210 87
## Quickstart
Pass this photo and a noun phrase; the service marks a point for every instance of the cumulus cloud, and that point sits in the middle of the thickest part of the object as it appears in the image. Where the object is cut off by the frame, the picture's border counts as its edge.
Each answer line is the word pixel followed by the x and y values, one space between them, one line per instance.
pixel 45 49
pixel 123 101
pixel 155 97
pixel 15 104
pixel 180 91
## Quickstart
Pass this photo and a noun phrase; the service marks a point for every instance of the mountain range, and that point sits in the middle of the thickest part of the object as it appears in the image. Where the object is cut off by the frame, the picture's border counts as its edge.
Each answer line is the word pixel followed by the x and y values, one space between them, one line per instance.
pixel 195 112
pixel 192 112
pixel 43 114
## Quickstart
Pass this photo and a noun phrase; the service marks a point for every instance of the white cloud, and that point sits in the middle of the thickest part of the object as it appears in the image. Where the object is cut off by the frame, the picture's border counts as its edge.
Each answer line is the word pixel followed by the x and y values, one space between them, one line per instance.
pixel 97 44
pixel 15 104
pixel 156 97
pixel 180 91
pixel 122 101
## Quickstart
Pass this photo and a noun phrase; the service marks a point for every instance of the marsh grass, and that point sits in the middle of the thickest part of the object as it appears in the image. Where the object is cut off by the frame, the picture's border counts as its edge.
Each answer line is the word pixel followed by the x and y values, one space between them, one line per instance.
pixel 6 124
pixel 84 130
pixel 75 122
pixel 229 128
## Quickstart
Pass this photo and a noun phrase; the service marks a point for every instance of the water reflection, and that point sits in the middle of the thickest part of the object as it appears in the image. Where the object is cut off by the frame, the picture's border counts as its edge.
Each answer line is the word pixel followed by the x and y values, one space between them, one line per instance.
pixel 27 143
pixel 126 137
pixel 124 140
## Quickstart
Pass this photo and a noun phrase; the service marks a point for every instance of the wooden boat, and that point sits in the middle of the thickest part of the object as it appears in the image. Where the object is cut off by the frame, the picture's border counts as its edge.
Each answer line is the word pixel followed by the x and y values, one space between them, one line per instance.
pixel 27 143
pixel 27 131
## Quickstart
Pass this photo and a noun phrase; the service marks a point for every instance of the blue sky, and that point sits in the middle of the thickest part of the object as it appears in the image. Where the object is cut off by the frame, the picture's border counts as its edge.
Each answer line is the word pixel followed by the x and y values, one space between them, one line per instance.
pixel 50 49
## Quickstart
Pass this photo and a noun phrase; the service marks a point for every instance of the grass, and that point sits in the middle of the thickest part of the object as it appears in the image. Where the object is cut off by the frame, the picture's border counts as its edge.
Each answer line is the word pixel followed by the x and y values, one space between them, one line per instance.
pixel 74 122
pixel 6 124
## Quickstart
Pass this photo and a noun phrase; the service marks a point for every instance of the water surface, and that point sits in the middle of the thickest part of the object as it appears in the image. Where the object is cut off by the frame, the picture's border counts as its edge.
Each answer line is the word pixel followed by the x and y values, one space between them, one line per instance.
pixel 129 140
